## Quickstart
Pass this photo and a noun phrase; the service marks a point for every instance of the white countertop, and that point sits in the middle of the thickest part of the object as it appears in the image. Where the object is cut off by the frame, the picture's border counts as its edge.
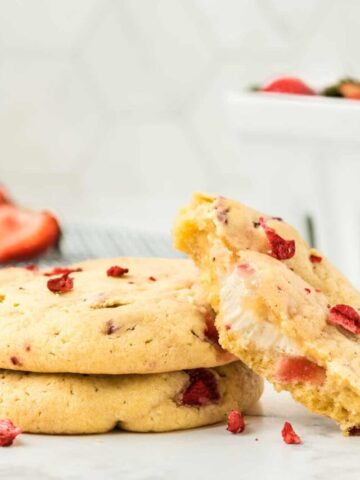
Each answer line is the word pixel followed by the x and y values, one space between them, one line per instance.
pixel 204 453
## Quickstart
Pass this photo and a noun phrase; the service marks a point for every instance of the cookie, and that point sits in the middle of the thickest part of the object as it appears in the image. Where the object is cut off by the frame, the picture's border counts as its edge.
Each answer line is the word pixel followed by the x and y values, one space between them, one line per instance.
pixel 213 230
pixel 281 327
pixel 283 308
pixel 150 319
pixel 79 404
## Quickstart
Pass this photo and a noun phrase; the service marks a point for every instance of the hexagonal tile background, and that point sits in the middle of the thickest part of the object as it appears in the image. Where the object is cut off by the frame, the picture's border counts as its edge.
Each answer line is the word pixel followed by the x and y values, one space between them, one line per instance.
pixel 115 110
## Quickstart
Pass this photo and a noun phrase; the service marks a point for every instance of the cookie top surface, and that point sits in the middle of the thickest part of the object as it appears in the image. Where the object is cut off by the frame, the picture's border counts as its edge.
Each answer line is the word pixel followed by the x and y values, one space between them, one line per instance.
pixel 72 403
pixel 151 319
pixel 214 231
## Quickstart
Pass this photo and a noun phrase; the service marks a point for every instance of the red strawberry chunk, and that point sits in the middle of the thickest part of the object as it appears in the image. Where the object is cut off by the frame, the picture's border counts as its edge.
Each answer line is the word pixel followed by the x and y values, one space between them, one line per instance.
pixel 116 271
pixel 346 317
pixel 4 196
pixel 32 267
pixel 202 389
pixel 236 422
pixel 315 258
pixel 298 369
pixel 210 330
pixel 61 271
pixel 290 85
pixel 280 248
pixel 24 233
pixel 288 434
pixel 8 432
pixel 61 284
pixel 245 270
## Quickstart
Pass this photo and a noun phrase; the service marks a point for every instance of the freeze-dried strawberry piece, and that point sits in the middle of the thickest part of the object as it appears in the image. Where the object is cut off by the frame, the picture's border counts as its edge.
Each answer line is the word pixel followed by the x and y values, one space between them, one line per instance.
pixel 245 270
pixel 61 284
pixel 288 434
pixel 307 290
pixel 298 369
pixel 8 432
pixel 236 422
pixel 61 271
pixel 15 361
pixel 346 317
pixel 116 271
pixel 32 267
pixel 354 431
pixel 281 249
pixel 202 389
pixel 210 330
pixel 315 258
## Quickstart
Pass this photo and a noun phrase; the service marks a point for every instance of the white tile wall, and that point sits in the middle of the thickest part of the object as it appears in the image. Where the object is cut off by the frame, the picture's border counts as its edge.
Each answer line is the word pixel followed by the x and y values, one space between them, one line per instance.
pixel 113 110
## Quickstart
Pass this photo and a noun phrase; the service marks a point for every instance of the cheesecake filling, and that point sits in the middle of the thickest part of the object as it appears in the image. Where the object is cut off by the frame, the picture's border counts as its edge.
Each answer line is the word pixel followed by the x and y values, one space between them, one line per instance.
pixel 242 312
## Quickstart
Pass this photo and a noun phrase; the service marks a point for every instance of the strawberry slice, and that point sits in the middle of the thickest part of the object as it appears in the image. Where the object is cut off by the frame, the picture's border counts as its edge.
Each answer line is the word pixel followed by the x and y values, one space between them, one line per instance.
pixel 298 369
pixel 290 85
pixel 25 233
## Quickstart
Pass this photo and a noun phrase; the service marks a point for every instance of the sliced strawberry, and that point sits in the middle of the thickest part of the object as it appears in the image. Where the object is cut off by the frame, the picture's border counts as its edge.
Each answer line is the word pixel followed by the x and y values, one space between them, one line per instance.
pixel 202 389
pixel 290 85
pixel 24 233
pixel 298 369
pixel 288 434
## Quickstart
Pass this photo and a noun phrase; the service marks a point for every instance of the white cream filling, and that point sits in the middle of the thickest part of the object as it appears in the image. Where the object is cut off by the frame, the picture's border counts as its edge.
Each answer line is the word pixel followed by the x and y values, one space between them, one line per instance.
pixel 252 329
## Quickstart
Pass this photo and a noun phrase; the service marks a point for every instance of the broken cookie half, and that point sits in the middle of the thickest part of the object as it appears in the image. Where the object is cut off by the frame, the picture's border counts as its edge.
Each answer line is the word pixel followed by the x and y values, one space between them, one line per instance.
pixel 282 308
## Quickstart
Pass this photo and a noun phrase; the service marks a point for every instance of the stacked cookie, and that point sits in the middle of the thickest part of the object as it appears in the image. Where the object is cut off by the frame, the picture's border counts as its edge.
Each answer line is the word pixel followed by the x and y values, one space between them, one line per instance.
pixel 119 343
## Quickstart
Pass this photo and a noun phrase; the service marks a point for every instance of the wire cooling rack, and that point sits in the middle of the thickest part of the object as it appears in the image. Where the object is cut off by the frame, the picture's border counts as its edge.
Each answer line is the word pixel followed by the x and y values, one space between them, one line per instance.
pixel 85 242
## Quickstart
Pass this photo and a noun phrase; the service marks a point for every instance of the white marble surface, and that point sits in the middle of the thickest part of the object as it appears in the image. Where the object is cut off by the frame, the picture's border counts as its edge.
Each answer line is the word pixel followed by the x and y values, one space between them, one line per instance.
pixel 205 453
